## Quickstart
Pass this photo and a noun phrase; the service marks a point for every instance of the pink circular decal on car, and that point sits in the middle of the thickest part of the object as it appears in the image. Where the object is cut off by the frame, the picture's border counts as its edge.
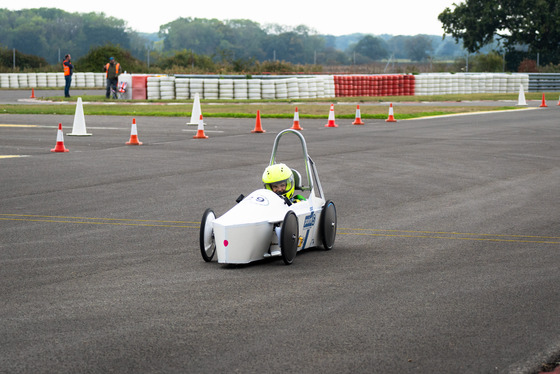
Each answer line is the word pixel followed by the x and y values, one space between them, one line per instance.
pixel 226 243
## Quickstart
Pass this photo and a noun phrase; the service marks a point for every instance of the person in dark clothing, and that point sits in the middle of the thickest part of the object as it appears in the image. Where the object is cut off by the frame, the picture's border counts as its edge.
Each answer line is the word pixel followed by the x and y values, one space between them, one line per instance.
pixel 112 70
pixel 68 71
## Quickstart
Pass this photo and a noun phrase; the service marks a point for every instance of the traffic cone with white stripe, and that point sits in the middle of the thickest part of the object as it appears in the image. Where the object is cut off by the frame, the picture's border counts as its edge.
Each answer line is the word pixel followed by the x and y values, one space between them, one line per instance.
pixel 331 122
pixel 296 125
pixel 200 132
pixel 258 125
pixel 358 120
pixel 60 141
pixel 133 134
pixel 391 116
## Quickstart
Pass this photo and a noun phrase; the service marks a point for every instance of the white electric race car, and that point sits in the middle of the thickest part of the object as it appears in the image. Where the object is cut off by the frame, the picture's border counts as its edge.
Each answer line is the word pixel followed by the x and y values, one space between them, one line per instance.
pixel 264 224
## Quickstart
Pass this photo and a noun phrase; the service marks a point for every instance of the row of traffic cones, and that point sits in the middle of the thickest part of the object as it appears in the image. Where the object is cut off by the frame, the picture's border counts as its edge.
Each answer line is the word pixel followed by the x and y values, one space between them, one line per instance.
pixel 79 125
pixel 543 102
pixel 60 147
pixel 196 119
pixel 79 129
pixel 358 119
pixel 521 98
pixel 331 121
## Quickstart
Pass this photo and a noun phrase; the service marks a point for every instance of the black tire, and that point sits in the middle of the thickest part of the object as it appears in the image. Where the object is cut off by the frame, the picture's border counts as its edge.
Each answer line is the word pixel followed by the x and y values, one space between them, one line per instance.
pixel 328 225
pixel 207 242
pixel 289 237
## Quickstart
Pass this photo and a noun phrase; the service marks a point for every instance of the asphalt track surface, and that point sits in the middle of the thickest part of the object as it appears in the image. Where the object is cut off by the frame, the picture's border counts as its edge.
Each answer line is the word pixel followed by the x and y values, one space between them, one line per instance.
pixel 445 261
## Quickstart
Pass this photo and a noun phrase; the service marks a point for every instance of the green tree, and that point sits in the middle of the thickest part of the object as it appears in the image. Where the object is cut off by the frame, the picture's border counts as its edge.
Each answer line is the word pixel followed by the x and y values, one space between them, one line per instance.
pixel 397 46
pixel 535 23
pixel 246 39
pixel 332 56
pixel 202 36
pixel 187 59
pixel 372 48
pixel 23 61
pixel 488 63
pixel 97 57
pixel 419 47
pixel 287 46
pixel 46 31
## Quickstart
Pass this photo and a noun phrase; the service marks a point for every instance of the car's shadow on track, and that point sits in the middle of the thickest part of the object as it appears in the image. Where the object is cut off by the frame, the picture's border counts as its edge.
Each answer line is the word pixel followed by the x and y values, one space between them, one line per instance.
pixel 272 261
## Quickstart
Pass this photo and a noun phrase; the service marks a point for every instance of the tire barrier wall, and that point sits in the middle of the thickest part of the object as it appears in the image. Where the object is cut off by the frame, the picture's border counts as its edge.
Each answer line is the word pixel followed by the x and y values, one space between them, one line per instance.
pixel 298 87
pixel 239 88
pixel 374 85
pixel 34 80
pixel 467 83
pixel 322 86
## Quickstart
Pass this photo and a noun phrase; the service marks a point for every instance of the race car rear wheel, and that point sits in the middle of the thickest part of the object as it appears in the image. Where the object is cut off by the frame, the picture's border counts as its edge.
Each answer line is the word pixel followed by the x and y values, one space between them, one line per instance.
pixel 328 225
pixel 207 242
pixel 289 237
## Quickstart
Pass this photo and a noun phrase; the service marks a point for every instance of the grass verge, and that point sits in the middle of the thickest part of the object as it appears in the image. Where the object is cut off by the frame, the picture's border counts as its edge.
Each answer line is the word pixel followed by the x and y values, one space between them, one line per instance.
pixel 307 108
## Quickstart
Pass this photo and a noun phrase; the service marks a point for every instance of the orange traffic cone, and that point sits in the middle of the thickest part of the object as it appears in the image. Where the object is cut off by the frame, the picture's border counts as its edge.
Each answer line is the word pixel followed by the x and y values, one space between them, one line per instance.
pixel 391 116
pixel 258 126
pixel 296 125
pixel 133 134
pixel 358 120
pixel 543 104
pixel 60 141
pixel 331 122
pixel 200 133
pixel 32 94
pixel 559 101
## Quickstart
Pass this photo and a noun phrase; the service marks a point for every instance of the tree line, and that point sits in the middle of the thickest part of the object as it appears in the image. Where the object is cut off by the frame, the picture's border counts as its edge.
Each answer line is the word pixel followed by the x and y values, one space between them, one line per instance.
pixel 531 27
pixel 239 44
pixel 50 33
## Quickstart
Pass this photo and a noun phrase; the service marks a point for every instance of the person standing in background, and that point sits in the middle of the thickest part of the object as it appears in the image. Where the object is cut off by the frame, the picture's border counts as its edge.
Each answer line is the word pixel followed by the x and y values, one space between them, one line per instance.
pixel 112 71
pixel 68 71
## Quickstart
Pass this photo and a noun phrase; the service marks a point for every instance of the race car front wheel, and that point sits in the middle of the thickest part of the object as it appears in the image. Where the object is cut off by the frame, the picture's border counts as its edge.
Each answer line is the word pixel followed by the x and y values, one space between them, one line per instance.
pixel 207 242
pixel 328 225
pixel 289 237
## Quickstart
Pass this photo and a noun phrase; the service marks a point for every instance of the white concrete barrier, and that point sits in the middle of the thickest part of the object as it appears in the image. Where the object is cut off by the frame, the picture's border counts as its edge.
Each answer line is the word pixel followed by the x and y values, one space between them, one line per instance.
pixel 211 89
pixel 152 87
pixel 182 91
pixel 225 89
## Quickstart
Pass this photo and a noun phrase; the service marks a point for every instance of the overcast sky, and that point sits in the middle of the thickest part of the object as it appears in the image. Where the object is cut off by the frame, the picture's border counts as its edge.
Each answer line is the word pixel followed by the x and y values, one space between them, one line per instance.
pixel 396 17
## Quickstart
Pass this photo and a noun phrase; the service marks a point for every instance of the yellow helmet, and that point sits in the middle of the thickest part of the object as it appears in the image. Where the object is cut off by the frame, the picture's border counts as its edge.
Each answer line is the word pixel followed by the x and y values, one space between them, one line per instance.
pixel 278 174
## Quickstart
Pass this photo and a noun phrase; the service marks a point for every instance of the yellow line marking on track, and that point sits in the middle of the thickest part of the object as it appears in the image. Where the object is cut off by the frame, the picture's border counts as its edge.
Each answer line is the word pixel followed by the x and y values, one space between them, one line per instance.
pixel 12 156
pixel 449 235
pixel 102 221
pixel 341 231
pixel 468 114
pixel 455 233
pixel 56 127
pixel 8 125
pixel 94 223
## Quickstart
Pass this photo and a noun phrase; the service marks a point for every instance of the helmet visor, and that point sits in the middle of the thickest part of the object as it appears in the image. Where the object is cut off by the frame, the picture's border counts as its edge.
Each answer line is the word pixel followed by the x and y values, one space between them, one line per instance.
pixel 279 187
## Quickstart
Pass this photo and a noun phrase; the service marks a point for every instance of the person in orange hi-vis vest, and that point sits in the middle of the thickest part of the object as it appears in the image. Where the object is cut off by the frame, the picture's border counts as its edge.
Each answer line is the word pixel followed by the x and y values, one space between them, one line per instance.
pixel 112 70
pixel 68 71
